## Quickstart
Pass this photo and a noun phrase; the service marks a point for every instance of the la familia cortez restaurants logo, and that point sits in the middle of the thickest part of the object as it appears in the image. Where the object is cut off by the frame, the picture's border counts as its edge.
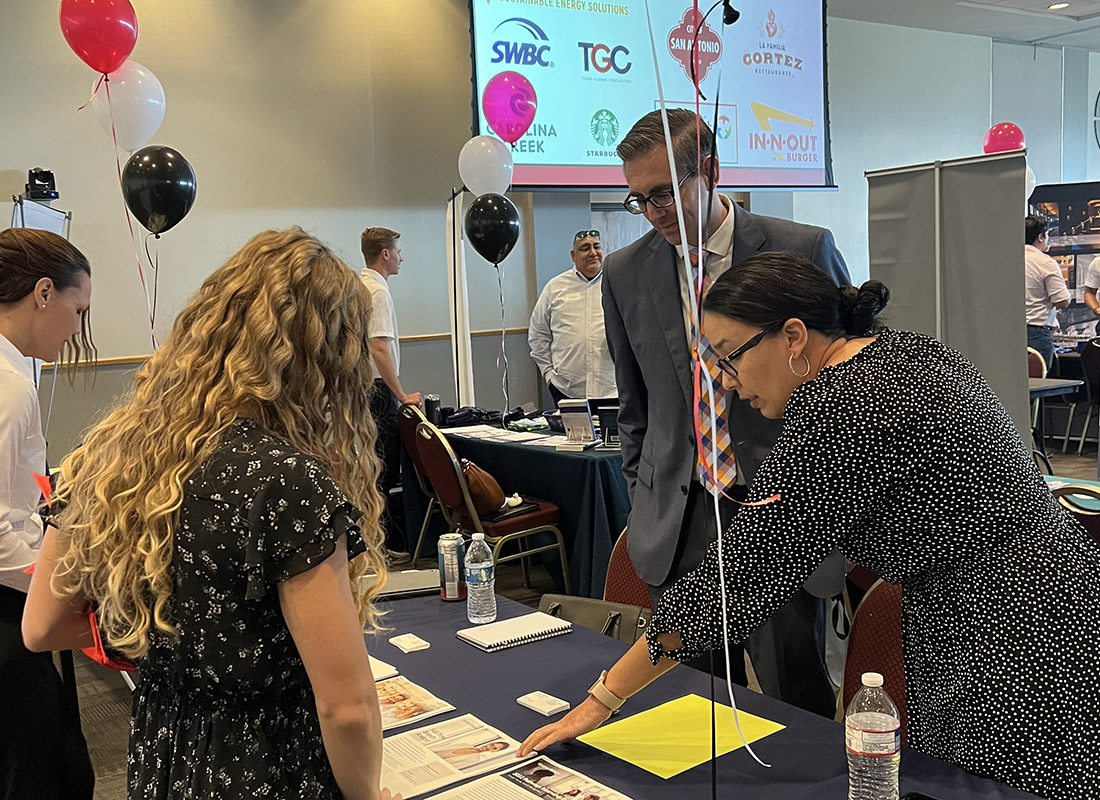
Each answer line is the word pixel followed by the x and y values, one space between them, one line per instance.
pixel 708 46
pixel 770 56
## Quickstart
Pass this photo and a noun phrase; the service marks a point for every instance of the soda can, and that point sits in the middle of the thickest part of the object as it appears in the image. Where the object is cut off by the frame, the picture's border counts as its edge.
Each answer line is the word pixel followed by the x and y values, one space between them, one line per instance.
pixel 452 570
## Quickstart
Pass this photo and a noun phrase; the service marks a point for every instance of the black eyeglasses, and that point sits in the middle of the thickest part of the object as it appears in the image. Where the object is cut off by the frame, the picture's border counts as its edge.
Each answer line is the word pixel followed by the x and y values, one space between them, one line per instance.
pixel 663 198
pixel 725 363
pixel 585 234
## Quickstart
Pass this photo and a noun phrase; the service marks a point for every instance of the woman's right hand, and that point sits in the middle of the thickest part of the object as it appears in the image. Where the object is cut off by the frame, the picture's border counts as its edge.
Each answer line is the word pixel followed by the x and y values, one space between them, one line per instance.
pixel 586 717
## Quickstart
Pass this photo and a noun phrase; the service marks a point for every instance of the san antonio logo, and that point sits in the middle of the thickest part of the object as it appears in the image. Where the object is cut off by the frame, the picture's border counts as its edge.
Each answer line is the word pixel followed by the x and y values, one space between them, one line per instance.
pixel 605 127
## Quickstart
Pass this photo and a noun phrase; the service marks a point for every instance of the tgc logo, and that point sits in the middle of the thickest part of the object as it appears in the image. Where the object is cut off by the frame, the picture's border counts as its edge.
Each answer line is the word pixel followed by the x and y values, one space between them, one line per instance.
pixel 603 58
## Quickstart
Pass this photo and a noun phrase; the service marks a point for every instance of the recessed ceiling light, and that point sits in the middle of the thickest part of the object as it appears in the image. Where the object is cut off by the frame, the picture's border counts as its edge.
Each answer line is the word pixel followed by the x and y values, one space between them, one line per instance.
pixel 1058 6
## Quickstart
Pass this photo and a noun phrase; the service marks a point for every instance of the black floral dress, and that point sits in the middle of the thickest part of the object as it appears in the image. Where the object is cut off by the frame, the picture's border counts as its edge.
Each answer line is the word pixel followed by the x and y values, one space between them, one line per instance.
pixel 227 711
pixel 904 458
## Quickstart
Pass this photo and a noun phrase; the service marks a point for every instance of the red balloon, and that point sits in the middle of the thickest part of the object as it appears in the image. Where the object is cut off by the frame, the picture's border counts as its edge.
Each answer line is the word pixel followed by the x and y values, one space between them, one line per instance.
pixel 509 105
pixel 101 32
pixel 1002 137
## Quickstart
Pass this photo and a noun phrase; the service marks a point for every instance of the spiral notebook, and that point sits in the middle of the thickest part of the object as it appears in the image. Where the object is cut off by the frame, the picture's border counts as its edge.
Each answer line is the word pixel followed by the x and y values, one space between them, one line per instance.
pixel 518 630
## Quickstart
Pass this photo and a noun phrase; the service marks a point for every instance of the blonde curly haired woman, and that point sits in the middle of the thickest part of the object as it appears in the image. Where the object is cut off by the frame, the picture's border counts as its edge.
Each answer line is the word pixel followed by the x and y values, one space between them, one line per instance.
pixel 213 519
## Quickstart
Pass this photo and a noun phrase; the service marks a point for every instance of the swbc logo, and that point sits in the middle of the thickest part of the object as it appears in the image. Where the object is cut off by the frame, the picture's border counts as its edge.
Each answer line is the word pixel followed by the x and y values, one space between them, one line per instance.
pixel 534 53
pixel 603 58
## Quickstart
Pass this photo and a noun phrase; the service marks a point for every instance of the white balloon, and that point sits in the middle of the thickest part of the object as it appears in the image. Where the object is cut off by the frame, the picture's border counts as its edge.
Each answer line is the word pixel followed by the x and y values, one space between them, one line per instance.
pixel 1029 183
pixel 136 105
pixel 485 165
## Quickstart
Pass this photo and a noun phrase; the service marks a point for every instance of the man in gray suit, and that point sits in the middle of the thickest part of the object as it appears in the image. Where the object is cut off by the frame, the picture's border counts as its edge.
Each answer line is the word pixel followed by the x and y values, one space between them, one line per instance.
pixel 646 302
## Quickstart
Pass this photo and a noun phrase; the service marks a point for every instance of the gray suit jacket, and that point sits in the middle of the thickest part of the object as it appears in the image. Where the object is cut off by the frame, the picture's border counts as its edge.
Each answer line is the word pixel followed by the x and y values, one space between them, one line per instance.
pixel 645 332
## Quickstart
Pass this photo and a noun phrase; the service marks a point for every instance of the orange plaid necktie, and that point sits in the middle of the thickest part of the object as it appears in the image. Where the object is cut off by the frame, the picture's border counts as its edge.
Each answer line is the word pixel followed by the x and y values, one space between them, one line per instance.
pixel 710 439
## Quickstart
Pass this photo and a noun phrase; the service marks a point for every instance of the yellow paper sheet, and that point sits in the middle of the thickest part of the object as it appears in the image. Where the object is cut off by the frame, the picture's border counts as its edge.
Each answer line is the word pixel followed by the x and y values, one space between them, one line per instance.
pixel 675 736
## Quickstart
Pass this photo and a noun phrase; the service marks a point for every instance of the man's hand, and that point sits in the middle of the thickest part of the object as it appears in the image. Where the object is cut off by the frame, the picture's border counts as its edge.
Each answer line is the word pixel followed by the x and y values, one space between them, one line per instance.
pixel 413 398
pixel 586 717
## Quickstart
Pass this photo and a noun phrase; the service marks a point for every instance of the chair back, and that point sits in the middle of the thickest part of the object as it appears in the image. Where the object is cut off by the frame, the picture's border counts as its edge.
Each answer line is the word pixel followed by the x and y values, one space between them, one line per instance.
pixel 443 469
pixel 1090 368
pixel 1086 513
pixel 1036 364
pixel 409 416
pixel 874 645
pixel 622 584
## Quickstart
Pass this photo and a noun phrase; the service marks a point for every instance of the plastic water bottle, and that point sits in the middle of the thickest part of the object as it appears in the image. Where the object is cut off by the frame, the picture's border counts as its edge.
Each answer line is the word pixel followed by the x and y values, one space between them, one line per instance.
pixel 481 599
pixel 872 737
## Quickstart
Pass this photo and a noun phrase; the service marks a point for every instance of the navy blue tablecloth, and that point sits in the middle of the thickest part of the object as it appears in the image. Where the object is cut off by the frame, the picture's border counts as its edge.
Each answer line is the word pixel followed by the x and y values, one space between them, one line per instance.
pixel 588 487
pixel 807 757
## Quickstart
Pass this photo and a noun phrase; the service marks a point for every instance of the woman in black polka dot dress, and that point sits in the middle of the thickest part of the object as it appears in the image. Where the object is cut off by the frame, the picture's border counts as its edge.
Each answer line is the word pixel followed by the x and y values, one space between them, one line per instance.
pixel 895 450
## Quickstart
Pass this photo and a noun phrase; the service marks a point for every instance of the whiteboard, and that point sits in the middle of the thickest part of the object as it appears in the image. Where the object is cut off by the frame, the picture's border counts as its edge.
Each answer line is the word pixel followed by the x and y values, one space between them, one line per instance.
pixel 30 214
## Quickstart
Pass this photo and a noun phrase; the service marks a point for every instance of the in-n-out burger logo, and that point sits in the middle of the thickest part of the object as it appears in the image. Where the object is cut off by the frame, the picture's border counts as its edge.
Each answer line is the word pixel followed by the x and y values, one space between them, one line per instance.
pixel 771 57
pixel 682 39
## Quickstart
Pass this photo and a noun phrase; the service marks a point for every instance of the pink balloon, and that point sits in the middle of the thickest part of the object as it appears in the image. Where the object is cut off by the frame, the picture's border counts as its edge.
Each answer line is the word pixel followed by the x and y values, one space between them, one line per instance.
pixel 1002 137
pixel 509 105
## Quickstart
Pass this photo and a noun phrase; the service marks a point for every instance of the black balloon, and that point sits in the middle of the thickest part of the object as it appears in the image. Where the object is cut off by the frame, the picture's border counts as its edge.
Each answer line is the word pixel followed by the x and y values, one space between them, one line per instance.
pixel 159 187
pixel 492 227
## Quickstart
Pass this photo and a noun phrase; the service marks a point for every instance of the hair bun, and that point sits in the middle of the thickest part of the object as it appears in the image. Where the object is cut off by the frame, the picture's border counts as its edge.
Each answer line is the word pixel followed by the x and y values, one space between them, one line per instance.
pixel 859 307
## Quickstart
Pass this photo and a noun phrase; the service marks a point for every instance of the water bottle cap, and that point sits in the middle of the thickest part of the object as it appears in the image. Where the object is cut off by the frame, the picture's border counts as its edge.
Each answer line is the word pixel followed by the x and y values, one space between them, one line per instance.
pixel 872 679
pixel 480 537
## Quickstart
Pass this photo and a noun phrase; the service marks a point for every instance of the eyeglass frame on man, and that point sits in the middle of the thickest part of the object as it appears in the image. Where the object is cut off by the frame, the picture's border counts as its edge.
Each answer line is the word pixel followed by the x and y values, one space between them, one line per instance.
pixel 725 363
pixel 585 234
pixel 644 200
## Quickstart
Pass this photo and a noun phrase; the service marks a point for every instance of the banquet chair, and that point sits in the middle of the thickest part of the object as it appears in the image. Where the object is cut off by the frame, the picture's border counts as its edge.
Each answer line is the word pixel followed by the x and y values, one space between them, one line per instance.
pixel 1090 368
pixel 874 645
pixel 444 470
pixel 409 416
pixel 1087 513
pixel 622 584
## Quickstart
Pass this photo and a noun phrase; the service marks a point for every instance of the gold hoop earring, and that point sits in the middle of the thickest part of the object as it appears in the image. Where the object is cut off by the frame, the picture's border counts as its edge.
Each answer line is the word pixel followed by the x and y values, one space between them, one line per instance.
pixel 790 365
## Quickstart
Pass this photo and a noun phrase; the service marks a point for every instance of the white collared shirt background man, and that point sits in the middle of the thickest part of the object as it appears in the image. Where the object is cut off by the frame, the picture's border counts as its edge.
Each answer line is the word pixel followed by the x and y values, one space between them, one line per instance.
pixel 566 331
pixel 382 255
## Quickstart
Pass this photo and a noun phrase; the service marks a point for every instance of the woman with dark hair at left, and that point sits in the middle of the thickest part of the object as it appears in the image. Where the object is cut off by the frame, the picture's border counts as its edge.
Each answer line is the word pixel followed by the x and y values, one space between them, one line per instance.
pixel 45 291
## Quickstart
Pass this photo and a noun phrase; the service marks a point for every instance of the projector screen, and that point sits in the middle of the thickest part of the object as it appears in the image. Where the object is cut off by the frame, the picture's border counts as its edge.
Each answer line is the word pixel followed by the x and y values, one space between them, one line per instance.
pixel 592 68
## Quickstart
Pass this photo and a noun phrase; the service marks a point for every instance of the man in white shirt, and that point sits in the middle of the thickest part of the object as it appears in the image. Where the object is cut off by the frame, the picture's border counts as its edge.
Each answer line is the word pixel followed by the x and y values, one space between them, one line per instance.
pixel 566 331
pixel 1044 288
pixel 1092 283
pixel 382 255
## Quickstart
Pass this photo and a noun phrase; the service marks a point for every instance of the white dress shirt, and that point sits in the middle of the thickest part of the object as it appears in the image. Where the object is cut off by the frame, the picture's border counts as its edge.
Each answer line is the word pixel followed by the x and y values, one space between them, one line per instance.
pixel 567 338
pixel 1092 277
pixel 22 453
pixel 383 318
pixel 1043 287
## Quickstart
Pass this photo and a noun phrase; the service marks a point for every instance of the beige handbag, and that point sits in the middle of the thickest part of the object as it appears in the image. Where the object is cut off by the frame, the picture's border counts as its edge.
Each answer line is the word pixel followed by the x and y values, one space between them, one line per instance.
pixel 617 620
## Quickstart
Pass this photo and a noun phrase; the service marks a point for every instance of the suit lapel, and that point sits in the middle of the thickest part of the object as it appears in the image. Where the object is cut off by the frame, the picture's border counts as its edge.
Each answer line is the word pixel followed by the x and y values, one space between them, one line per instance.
pixel 748 237
pixel 659 274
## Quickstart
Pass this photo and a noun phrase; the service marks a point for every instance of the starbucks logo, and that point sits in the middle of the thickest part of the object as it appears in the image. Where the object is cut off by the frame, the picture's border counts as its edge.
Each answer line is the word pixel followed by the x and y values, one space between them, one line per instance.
pixel 605 127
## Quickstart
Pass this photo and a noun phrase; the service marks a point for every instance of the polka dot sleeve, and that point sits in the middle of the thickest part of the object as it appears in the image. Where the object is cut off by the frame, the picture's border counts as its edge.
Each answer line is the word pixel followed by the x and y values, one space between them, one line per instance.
pixel 831 470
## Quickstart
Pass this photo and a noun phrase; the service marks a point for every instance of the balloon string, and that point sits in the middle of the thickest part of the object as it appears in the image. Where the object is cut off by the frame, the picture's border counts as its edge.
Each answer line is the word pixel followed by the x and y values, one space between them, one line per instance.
pixel 663 105
pixel 95 91
pixel 503 352
pixel 126 209
pixel 155 264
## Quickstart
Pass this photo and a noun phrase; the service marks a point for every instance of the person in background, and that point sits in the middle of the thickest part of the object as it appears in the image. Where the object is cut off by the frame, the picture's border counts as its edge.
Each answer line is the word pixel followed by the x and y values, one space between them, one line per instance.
pixel 566 332
pixel 1044 288
pixel 45 294
pixel 650 334
pixel 382 254
pixel 217 521
pixel 1092 283
pixel 895 450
